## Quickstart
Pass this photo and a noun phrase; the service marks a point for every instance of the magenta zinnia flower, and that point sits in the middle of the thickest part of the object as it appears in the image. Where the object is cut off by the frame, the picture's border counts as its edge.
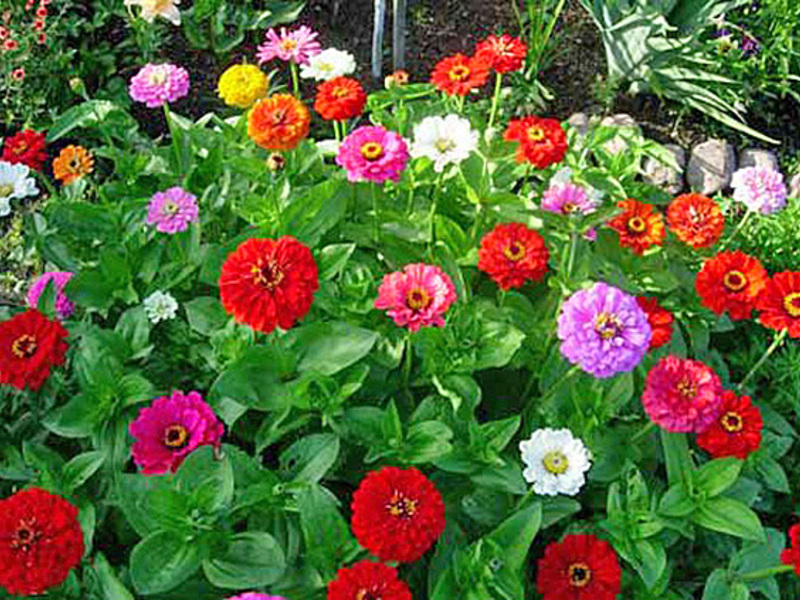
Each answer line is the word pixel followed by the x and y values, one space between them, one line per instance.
pixel 682 395
pixel 64 308
pixel 156 85
pixel 418 296
pixel 170 429
pixel 296 46
pixel 171 211
pixel 372 153
pixel 255 596
pixel 761 189
pixel 603 330
pixel 566 199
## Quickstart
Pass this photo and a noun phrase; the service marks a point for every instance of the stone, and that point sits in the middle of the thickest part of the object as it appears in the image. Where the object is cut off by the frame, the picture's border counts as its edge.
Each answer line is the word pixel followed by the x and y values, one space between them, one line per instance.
pixel 663 175
pixel 580 122
pixel 755 157
pixel 618 144
pixel 711 166
pixel 794 186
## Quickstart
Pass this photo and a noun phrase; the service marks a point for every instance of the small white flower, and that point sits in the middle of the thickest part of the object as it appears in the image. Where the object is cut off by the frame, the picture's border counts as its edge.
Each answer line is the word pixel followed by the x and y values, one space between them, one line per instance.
pixel 555 462
pixel 328 147
pixel 158 8
pixel 14 183
pixel 160 306
pixel 445 140
pixel 328 64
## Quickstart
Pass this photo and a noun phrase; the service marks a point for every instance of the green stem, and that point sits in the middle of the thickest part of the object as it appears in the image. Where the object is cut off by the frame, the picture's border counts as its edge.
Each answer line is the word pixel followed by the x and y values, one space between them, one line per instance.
pixel 498 84
pixel 408 358
pixel 779 337
pixel 336 133
pixel 573 246
pixel 375 223
pixel 295 79
pixel 643 431
pixel 736 231
pixel 764 573
pixel 176 149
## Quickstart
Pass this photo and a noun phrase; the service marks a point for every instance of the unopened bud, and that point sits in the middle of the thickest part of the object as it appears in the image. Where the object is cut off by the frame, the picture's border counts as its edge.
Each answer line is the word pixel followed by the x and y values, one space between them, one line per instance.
pixel 276 162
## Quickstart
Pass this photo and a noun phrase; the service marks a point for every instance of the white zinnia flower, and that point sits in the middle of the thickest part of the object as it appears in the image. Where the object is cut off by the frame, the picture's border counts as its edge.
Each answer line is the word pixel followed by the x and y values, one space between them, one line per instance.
pixel 14 183
pixel 158 8
pixel 555 462
pixel 160 306
pixel 445 140
pixel 328 64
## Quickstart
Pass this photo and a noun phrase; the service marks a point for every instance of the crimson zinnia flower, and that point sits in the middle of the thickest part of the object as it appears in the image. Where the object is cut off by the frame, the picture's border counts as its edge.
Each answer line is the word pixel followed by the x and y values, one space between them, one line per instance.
pixel 40 541
pixel 779 303
pixel 639 226
pixel 696 220
pixel 512 254
pixel 340 98
pixel 30 344
pixel 737 430
pixel 26 147
pixel 367 580
pixel 791 555
pixel 581 567
pixel 398 514
pixel 660 320
pixel 269 283
pixel 458 75
pixel 542 142
pixel 732 282
pixel 503 53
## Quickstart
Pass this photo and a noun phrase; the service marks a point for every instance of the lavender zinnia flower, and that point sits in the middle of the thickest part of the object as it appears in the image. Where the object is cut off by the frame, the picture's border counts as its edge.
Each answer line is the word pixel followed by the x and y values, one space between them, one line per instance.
pixel 156 85
pixel 171 211
pixel 603 330
pixel 565 197
pixel 296 46
pixel 750 45
pixel 761 189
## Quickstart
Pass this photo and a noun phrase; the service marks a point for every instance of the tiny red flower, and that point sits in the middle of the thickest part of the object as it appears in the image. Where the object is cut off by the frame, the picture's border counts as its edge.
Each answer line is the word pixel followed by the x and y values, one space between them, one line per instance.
pixel 26 147
pixel 581 567
pixel 42 39
pixel 639 226
pixel 10 44
pixel 542 142
pixel 30 344
pixel 458 75
pixel 737 430
pixel 41 12
pixel 503 53
pixel 660 320
pixel 340 98
pixel 38 24
pixel 791 555
pixel 732 282
pixel 3 32
pixel 779 303
pixel 398 514
pixel 367 580
pixel 18 74
pixel 696 220
pixel 512 254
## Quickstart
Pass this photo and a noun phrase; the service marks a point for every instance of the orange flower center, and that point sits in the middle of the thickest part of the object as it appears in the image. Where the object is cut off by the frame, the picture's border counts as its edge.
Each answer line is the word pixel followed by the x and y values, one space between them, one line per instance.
pixel 418 298
pixel 402 507
pixel 169 208
pixel 176 437
pixel 607 326
pixel 732 422
pixel 24 346
pixel 687 388
pixel 579 575
pixel 536 133
pixel 340 92
pixel 268 275
pixel 515 251
pixel 637 225
pixel 568 208
pixel 21 147
pixel 735 281
pixel 278 117
pixel 459 73
pixel 288 44
pixel 372 150
pixel 365 594
pixel 792 304
pixel 25 535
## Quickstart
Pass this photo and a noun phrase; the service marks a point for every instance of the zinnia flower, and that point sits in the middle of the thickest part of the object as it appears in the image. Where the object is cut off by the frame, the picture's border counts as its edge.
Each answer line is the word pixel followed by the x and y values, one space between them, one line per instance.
pixel 279 122
pixel 512 254
pixel 736 431
pixel 160 306
pixel 372 153
pixel 418 296
pixel 779 303
pixel 26 147
pixel 72 164
pixel 458 75
pixel 170 429
pixel 639 226
pixel 445 140
pixel 339 99
pixel 269 283
pixel 328 64
pixel 503 53
pixel 158 8
pixel 542 142
pixel 14 183
pixel 603 330
pixel 660 321
pixel 42 541
pixel 157 85
pixel 397 79
pixel 555 462
pixel 255 596
pixel 242 85
pixel 296 46
pixel 172 210
pixel 732 282
pixel 761 189
pixel 580 567
pixel 696 220
pixel 366 580
pixel 398 514
pixel 791 555
pixel 567 198
pixel 30 344
pixel 682 395
pixel 64 308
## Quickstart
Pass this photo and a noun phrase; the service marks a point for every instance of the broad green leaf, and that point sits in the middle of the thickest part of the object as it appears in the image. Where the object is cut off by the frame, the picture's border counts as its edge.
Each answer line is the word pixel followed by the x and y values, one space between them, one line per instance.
pixel 205 314
pixel 162 561
pixel 718 475
pixel 110 584
pixel 726 515
pixel 90 112
pixel 252 559
pixel 311 457
pixel 326 533
pixel 516 534
pixel 81 468
pixel 329 347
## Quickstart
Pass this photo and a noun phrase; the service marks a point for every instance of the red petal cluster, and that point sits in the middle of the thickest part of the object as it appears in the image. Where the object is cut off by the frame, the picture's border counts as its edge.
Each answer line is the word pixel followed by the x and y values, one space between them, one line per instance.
pixel 512 254
pixel 503 53
pixel 696 220
pixel 339 99
pixel 737 430
pixel 542 142
pixel 458 75
pixel 640 226
pixel 660 320
pixel 779 303
pixel 732 282
pixel 581 567
pixel 366 580
pixel 27 147
pixel 30 344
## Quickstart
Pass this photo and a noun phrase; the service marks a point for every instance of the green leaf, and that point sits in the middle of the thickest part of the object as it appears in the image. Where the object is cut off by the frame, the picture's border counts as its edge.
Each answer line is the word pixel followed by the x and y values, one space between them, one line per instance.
pixel 252 559
pixel 718 475
pixel 427 441
pixel 111 586
pixel 256 380
pixel 208 480
pixel 329 347
pixel 90 112
pixel 326 533
pixel 726 515
pixel 311 457
pixel 773 474
pixel 162 561
pixel 676 455
pixel 676 502
pixel 499 342
pixel 516 534
pixel 333 259
pixel 205 315
pixel 718 587
pixel 81 468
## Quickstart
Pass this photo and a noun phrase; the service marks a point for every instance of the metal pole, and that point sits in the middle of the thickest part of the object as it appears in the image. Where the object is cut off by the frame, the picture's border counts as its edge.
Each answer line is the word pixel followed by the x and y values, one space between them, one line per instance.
pixel 377 38
pixel 399 34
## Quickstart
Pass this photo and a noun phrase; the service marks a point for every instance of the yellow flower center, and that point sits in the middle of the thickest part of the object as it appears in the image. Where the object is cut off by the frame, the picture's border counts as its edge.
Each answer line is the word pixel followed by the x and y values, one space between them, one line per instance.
pixel 636 225
pixel 444 144
pixel 169 208
pixel 514 251
pixel 579 575
pixel 459 73
pixel 735 281
pixel 365 594
pixel 156 6
pixel 6 190
pixel 607 326
pixel 556 462
pixel 176 436
pixel 340 92
pixel 732 422
pixel 267 275
pixel 158 76
pixel 536 133
pixel 402 507
pixel 687 388
pixel 288 44
pixel 568 208
pixel 372 150
pixel 418 298
pixel 792 304
pixel 24 346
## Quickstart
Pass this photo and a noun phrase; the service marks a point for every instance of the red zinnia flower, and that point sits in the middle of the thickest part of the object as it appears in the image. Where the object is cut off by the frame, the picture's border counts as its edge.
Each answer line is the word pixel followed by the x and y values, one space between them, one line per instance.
pixel 731 281
pixel 779 303
pixel 38 24
pixel 41 12
pixel 26 147
pixel 10 44
pixel 40 541
pixel 3 33
pixel 398 514
pixel 340 98
pixel 737 431
pixel 30 344
pixel 366 580
pixel 269 283
pixel 458 75
pixel 542 142
pixel 696 220
pixel 581 567
pixel 639 226
pixel 660 320
pixel 504 53
pixel 512 254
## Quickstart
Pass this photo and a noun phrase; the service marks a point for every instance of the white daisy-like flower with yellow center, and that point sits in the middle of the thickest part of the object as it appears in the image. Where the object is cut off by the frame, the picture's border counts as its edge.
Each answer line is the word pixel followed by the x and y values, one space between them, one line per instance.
pixel 555 462
pixel 14 183
pixel 445 140
pixel 160 306
pixel 328 64
pixel 151 9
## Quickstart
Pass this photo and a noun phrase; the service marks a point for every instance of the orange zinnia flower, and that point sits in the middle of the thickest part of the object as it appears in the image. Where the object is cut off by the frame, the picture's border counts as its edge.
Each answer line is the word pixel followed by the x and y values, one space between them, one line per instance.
pixel 542 142
pixel 696 220
pixel 279 122
pixel 340 98
pixel 731 281
pixel 639 227
pixel 779 303
pixel 72 163
pixel 458 75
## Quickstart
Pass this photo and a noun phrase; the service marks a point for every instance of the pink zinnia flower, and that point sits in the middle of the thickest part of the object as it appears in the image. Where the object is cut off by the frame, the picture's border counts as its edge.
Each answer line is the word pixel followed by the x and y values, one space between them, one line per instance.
pixel 761 189
pixel 171 211
pixel 682 395
pixel 418 296
pixel 255 596
pixel 170 429
pixel 64 308
pixel 372 153
pixel 296 46
pixel 156 85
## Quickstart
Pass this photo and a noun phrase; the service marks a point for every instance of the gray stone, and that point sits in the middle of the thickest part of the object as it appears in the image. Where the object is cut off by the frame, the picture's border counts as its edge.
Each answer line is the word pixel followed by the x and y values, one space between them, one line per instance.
pixel 618 144
pixel 662 175
pixel 755 157
pixel 580 122
pixel 794 186
pixel 711 166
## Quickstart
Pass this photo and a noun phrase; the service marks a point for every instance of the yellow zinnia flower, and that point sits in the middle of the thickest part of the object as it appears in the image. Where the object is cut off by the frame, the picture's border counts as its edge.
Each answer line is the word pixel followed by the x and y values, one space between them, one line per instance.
pixel 242 85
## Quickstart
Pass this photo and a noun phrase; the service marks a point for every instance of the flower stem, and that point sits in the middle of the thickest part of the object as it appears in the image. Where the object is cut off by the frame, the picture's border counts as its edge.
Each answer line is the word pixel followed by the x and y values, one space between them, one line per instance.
pixel 175 141
pixel 643 431
pixel 498 83
pixel 736 231
pixel 295 79
pixel 375 224
pixel 336 133
pixel 764 573
pixel 779 337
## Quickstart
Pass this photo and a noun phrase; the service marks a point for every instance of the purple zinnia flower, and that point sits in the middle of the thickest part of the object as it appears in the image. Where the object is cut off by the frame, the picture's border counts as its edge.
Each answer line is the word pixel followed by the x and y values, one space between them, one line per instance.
pixel 565 197
pixel 761 189
pixel 603 330
pixel 750 45
pixel 171 211
pixel 296 46
pixel 372 153
pixel 64 308
pixel 156 85
pixel 255 596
